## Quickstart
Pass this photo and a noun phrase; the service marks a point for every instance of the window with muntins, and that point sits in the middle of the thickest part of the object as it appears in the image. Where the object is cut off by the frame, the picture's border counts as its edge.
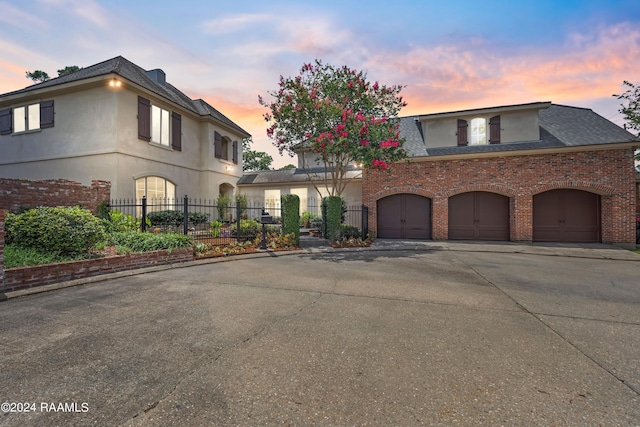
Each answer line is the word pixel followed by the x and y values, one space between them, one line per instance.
pixel 160 125
pixel 478 133
pixel 155 187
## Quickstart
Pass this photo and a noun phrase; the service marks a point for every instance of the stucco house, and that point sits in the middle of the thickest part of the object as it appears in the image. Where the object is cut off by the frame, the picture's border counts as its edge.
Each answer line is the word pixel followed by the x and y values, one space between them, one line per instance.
pixel 528 172
pixel 115 121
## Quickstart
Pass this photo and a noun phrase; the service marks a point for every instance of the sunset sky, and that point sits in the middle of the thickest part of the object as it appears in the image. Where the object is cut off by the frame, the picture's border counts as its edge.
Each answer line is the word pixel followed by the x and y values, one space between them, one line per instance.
pixel 451 55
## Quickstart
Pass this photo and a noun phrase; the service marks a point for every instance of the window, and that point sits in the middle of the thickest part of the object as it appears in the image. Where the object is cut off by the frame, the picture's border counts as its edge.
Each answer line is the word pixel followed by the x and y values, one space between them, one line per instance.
pixel 26 118
pixel 302 193
pixel 155 124
pixel 477 134
pixel 159 125
pixel 478 131
pixel 221 147
pixel 272 201
pixel 155 187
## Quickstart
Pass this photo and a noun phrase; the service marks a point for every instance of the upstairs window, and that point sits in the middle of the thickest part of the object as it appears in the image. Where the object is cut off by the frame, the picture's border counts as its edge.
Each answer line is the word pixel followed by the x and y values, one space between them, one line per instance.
pixel 221 145
pixel 478 131
pixel 26 118
pixel 159 125
pixel 155 124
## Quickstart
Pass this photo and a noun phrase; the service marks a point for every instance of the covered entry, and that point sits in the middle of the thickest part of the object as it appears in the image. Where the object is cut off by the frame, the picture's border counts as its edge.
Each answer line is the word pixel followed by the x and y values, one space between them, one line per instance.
pixel 479 215
pixel 566 216
pixel 404 216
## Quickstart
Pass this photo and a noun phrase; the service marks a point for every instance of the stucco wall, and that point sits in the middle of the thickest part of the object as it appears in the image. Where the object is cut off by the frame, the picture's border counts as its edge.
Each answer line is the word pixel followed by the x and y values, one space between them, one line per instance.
pixel 608 173
pixel 95 137
pixel 515 127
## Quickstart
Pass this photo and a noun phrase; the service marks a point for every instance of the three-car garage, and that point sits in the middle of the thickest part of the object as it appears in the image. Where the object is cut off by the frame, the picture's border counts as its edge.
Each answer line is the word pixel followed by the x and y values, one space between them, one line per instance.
pixel 559 215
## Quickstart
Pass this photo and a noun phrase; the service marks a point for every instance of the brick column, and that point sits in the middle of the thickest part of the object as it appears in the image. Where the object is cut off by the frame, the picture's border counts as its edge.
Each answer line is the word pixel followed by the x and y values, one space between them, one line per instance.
pixel 2 295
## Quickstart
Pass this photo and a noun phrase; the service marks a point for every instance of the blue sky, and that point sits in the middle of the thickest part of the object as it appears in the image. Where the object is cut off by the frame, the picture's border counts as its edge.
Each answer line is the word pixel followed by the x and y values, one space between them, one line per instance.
pixel 451 55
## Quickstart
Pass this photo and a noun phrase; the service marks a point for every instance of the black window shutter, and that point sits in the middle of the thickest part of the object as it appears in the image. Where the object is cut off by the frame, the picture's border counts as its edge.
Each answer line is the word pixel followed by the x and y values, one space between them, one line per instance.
pixel 494 130
pixel 6 122
pixel 46 114
pixel 176 131
pixel 462 132
pixel 144 119
pixel 235 152
pixel 217 145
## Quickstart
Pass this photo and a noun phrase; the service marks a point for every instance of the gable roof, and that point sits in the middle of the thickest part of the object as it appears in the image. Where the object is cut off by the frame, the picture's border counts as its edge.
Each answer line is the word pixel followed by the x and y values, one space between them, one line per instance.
pixel 139 76
pixel 560 126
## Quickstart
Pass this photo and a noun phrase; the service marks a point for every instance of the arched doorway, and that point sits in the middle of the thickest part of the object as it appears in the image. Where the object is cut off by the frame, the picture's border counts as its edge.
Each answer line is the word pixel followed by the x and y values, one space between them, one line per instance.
pixel 478 215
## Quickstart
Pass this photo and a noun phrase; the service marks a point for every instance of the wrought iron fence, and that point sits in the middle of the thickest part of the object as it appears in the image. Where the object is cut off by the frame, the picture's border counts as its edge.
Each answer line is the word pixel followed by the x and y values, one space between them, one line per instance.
pixel 213 223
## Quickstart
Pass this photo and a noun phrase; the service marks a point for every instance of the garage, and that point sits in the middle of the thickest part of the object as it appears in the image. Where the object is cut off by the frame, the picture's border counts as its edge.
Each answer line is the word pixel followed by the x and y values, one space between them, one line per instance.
pixel 404 216
pixel 478 215
pixel 566 215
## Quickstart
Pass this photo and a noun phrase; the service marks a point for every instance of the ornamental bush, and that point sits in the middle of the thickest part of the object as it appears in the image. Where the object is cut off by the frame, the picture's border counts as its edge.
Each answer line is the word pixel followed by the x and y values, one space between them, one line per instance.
pixel 291 215
pixel 248 228
pixel 334 217
pixel 172 218
pixel 64 230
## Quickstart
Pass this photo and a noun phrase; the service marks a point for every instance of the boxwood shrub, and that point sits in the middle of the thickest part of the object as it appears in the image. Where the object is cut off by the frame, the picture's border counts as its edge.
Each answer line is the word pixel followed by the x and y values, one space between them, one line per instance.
pixel 64 230
pixel 291 215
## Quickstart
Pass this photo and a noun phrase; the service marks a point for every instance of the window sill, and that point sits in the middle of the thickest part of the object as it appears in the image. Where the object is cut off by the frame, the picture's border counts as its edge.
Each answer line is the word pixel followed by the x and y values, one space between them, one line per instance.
pixel 24 132
pixel 165 147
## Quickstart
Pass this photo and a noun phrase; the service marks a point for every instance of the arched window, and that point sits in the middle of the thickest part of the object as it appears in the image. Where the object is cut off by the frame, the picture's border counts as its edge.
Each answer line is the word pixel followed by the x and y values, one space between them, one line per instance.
pixel 478 131
pixel 155 187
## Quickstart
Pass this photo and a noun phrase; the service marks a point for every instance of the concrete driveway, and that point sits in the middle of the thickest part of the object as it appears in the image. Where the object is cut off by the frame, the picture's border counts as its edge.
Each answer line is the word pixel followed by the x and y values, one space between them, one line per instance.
pixel 388 337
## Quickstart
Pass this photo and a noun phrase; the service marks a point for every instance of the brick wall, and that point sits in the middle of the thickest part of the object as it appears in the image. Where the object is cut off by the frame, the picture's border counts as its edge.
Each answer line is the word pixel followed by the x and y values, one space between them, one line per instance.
pixel 16 194
pixel 609 173
pixel 41 275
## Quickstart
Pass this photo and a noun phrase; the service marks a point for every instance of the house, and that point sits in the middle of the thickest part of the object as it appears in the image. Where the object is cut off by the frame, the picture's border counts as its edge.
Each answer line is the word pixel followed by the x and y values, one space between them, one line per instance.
pixel 528 172
pixel 309 181
pixel 115 121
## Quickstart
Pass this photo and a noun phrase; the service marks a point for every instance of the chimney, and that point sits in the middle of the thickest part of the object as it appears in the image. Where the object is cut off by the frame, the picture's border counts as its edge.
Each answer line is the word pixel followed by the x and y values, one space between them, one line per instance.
pixel 158 76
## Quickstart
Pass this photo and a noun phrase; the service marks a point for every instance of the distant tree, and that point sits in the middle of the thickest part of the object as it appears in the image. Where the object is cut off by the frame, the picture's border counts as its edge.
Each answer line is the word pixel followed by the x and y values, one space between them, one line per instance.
pixel 37 76
pixel 287 167
pixel 68 70
pixel 254 160
pixel 631 110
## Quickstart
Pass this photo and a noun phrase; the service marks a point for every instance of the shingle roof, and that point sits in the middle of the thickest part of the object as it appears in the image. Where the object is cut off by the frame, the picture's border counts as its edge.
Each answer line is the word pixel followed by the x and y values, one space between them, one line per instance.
pixel 291 175
pixel 130 71
pixel 560 126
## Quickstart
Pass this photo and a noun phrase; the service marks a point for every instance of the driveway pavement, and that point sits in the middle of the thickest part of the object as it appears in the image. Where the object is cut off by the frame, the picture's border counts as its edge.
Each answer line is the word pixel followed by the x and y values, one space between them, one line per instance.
pixel 398 335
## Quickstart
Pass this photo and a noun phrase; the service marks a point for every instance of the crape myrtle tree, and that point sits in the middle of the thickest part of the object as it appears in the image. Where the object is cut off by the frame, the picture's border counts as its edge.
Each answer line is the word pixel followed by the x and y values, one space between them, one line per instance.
pixel 338 115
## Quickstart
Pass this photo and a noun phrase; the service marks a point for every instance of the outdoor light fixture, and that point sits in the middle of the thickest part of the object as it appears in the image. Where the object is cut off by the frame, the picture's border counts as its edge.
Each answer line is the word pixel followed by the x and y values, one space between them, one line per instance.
pixel 229 168
pixel 115 83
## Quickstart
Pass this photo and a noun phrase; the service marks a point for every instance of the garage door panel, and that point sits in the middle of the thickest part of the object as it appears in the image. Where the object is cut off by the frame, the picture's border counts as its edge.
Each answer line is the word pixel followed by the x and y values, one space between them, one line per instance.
pixel 478 215
pixel 566 215
pixel 404 216
pixel 389 221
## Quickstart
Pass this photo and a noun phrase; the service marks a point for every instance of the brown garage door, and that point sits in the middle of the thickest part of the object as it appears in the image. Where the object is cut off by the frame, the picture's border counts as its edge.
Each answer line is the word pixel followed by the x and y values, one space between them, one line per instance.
pixel 566 216
pixel 404 216
pixel 478 215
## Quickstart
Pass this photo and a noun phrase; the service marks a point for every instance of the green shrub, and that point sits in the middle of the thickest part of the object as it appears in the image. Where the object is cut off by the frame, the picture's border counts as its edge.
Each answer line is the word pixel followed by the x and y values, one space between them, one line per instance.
pixel 334 216
pixel 63 230
pixel 215 228
pixel 291 215
pixel 248 228
pixel 145 242
pixel 349 232
pixel 224 212
pixel 241 200
pixel 118 221
pixel 172 218
pixel 316 222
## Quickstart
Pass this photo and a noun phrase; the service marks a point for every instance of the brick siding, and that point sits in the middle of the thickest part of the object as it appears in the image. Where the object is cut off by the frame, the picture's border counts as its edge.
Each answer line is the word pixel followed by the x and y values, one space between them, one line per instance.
pixel 609 173
pixel 41 275
pixel 18 194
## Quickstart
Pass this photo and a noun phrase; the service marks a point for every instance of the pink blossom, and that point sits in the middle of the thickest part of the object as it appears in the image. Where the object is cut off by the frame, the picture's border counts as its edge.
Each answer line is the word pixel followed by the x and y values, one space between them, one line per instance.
pixel 350 85
pixel 375 86
pixel 270 132
pixel 364 130
pixel 381 164
pixel 364 142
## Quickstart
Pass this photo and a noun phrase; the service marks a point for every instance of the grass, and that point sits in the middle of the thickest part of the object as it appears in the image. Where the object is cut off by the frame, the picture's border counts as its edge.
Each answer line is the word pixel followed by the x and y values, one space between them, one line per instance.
pixel 16 256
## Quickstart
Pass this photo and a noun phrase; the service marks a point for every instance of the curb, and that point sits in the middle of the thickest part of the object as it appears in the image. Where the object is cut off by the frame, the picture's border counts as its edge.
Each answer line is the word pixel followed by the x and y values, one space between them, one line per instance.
pixel 398 247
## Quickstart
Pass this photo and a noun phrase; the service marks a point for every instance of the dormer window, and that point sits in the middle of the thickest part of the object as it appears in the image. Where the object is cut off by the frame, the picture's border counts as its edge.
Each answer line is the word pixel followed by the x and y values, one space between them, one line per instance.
pixel 478 131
